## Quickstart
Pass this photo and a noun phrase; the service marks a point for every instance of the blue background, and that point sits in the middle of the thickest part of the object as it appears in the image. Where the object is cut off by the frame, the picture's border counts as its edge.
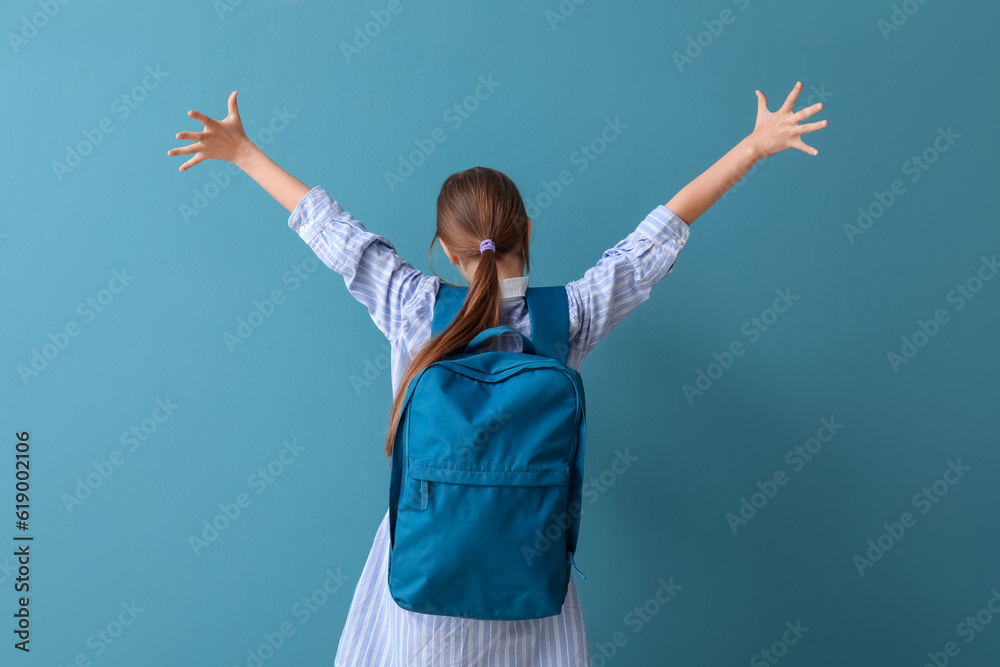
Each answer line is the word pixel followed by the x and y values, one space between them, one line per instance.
pixel 782 227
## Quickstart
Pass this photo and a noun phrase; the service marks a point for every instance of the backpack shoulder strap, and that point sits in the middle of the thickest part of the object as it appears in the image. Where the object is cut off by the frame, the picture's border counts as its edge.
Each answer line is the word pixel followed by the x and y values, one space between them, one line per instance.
pixel 548 312
pixel 449 301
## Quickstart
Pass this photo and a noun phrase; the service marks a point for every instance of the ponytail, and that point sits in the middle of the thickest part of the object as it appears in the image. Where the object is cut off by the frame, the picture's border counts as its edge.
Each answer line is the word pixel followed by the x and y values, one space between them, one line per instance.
pixel 475 204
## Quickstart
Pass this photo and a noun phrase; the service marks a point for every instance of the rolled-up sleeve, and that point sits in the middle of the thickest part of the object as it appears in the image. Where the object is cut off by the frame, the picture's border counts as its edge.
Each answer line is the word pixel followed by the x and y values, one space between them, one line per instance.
pixel 373 272
pixel 623 277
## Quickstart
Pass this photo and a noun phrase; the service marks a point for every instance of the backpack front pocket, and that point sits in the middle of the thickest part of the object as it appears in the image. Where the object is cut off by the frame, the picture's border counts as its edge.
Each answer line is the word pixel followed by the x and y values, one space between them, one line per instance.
pixel 497 540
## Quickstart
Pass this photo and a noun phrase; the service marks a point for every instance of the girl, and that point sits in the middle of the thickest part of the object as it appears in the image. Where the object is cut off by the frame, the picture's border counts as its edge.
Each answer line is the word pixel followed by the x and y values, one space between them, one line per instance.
pixel 483 229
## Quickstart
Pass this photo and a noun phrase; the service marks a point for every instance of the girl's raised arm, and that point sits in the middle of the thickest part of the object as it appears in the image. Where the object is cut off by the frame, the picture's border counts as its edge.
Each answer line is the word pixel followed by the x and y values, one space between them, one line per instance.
pixel 226 140
pixel 773 132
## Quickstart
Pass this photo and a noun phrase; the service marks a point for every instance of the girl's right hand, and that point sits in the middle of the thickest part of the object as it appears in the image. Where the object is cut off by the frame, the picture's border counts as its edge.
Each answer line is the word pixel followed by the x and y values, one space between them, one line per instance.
pixel 222 139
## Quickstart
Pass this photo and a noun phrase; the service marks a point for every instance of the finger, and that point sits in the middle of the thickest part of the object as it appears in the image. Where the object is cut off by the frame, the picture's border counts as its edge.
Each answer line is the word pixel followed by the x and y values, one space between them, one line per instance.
pixel 792 96
pixel 806 148
pixel 185 150
pixel 808 111
pixel 761 102
pixel 201 118
pixel 192 162
pixel 811 127
pixel 193 136
pixel 233 111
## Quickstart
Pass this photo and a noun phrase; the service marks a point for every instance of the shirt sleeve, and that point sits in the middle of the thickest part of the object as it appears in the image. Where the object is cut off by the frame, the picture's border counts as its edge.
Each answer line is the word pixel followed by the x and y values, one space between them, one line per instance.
pixel 623 277
pixel 373 272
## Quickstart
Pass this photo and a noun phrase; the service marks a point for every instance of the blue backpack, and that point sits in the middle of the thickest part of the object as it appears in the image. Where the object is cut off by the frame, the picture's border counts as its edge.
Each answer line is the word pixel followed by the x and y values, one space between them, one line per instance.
pixel 487 472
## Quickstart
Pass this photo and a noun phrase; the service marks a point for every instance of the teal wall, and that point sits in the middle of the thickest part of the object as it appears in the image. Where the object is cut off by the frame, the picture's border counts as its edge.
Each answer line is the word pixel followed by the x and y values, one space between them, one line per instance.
pixel 199 247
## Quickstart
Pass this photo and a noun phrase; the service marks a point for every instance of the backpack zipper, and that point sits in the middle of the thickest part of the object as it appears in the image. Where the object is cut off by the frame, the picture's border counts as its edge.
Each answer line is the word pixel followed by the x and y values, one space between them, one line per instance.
pixel 573 563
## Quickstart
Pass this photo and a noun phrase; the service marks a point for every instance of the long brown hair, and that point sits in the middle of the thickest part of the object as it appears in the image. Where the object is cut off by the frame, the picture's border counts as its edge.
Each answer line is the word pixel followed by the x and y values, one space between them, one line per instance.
pixel 475 204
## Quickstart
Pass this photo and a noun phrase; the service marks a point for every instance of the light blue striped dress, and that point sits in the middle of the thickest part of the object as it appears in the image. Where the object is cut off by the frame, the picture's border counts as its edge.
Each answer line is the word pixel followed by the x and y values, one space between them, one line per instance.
pixel 400 300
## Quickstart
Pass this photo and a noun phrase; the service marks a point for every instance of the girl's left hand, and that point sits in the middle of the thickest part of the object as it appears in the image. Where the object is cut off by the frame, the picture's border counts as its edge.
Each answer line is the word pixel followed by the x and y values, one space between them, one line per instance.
pixel 222 139
pixel 774 132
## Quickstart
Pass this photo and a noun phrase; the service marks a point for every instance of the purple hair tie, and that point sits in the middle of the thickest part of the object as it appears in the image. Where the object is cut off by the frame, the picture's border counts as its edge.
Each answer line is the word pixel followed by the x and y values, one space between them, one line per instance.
pixel 487 243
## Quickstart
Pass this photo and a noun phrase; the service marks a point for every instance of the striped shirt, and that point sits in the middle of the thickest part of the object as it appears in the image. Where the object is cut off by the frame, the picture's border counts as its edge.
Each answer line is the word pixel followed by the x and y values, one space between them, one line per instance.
pixel 400 300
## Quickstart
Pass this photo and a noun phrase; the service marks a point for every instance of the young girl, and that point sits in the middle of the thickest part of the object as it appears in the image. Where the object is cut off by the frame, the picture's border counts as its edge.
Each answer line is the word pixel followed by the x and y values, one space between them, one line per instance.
pixel 483 228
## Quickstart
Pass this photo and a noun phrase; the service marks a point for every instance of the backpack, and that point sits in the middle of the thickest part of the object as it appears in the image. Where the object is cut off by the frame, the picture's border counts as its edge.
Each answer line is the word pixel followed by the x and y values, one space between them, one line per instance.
pixel 487 472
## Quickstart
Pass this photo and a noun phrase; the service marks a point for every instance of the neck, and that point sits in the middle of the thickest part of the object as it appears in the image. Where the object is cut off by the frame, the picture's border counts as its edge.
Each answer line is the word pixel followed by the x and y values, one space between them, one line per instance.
pixel 508 269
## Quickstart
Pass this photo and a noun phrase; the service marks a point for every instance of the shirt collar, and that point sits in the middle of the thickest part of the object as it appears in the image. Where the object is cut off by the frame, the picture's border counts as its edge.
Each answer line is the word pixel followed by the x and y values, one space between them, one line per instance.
pixel 513 288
